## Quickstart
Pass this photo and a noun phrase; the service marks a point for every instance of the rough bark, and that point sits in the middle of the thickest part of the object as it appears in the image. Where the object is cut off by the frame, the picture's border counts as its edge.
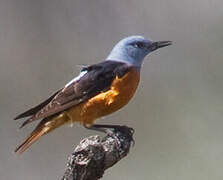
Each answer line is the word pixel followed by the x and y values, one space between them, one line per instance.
pixel 95 154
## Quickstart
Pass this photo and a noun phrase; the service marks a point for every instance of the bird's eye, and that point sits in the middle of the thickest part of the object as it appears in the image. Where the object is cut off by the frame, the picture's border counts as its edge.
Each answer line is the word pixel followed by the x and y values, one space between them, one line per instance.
pixel 139 45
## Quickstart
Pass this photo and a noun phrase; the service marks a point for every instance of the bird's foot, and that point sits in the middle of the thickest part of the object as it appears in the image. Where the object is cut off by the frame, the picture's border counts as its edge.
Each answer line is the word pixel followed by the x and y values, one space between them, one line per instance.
pixel 113 130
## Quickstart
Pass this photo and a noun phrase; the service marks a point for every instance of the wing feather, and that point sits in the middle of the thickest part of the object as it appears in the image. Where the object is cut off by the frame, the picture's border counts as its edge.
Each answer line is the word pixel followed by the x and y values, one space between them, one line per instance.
pixel 35 109
pixel 98 78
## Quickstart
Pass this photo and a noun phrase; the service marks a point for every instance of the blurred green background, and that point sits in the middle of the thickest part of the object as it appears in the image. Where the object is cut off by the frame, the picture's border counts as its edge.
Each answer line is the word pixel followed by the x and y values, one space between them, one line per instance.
pixel 178 108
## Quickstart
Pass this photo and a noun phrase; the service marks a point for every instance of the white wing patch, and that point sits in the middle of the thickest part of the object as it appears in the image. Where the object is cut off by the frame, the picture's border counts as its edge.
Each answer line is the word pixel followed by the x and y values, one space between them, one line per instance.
pixel 82 73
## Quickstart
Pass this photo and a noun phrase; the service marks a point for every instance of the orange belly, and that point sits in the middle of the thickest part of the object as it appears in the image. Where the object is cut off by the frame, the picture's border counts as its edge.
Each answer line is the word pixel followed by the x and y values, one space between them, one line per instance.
pixel 121 91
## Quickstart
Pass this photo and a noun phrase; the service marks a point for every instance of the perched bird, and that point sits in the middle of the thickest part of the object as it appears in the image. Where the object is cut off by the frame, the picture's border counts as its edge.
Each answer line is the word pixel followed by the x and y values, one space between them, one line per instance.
pixel 99 90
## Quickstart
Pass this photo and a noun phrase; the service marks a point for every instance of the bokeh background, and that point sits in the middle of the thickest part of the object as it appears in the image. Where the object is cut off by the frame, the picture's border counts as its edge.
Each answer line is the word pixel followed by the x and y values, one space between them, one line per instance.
pixel 178 108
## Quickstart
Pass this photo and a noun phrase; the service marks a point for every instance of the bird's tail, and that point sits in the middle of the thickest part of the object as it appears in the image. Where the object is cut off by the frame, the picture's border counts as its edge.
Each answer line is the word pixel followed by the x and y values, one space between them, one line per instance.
pixel 44 127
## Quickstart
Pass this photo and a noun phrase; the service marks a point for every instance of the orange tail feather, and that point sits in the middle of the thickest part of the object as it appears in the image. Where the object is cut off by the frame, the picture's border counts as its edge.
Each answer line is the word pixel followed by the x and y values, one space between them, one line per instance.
pixel 44 127
pixel 29 141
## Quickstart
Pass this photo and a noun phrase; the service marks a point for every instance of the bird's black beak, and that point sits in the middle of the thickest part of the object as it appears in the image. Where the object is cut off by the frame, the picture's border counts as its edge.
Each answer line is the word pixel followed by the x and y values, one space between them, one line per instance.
pixel 159 44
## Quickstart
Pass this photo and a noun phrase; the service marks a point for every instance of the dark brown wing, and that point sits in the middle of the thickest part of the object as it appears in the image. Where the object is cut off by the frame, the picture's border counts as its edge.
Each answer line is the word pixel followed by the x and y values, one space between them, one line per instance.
pixel 35 109
pixel 96 78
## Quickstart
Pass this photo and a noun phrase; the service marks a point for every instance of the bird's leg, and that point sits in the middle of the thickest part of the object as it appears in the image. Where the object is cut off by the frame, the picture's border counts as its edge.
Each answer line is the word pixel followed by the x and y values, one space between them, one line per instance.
pixel 108 126
pixel 114 127
pixel 101 128
pixel 104 128
pixel 96 128
pixel 112 130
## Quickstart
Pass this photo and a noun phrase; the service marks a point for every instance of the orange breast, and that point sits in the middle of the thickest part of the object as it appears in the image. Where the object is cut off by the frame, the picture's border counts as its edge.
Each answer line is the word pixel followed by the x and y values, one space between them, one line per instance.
pixel 121 91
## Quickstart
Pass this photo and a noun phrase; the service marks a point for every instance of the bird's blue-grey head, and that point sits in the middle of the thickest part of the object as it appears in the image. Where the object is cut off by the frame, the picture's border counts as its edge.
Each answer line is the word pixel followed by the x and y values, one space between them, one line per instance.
pixel 133 50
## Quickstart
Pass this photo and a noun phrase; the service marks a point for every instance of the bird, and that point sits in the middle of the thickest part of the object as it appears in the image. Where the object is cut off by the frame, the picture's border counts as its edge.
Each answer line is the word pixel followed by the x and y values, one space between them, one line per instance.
pixel 100 89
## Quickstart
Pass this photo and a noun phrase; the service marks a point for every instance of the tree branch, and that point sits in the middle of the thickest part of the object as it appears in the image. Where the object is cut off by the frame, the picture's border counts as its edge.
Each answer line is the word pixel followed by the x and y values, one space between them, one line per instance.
pixel 96 154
